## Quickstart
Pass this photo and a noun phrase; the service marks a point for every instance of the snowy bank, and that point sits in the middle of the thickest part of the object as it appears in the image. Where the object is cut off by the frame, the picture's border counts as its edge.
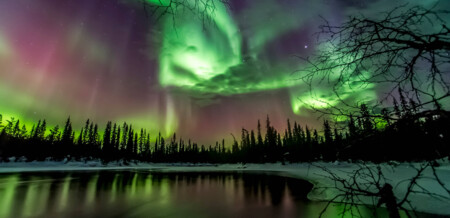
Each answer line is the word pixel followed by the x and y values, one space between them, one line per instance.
pixel 397 174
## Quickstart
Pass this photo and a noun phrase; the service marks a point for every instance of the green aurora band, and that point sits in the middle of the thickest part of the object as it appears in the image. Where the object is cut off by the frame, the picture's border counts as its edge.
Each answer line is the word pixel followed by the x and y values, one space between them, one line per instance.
pixel 208 61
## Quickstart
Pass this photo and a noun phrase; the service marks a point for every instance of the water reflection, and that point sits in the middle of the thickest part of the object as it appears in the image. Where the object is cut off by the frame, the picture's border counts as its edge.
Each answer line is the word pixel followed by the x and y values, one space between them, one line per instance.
pixel 153 194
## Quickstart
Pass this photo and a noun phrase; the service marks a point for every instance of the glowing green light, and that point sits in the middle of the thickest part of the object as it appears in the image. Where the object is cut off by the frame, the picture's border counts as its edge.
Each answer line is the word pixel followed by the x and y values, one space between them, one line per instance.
pixel 91 191
pixel 64 196
pixel 7 192
pixel 192 54
pixel 323 94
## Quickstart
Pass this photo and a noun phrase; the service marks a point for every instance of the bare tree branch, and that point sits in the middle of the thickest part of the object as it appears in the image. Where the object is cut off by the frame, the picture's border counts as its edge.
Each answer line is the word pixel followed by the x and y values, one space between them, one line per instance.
pixel 202 9
pixel 407 49
pixel 354 188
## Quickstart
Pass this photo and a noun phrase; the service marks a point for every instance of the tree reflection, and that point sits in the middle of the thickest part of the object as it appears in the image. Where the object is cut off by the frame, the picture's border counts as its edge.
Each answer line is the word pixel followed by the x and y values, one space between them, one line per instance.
pixel 113 193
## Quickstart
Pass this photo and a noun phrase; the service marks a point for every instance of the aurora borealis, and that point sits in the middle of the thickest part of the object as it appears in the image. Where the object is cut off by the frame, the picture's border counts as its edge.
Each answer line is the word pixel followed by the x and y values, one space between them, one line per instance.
pixel 106 60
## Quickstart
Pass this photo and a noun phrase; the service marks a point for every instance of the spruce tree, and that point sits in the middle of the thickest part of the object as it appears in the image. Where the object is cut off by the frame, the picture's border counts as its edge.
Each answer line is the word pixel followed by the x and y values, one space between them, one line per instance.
pixel 80 137
pixel 107 146
pixel 67 133
pixel 129 148
pixel 117 145
pixel 252 139
pixel 16 129
pixel 260 140
pixel 327 132
pixel 86 132
pixel 54 132
pixel 113 137
pixel 42 130
pixel 289 134
pixel 23 131
pixel 308 135
pixel 367 124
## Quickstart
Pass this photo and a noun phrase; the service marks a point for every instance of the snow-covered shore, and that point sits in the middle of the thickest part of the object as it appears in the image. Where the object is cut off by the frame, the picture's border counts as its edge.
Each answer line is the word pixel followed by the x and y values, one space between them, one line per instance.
pixel 397 174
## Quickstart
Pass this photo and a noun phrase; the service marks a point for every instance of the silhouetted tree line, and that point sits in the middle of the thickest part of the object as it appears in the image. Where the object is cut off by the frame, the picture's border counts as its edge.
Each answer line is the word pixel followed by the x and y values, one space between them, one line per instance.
pixel 412 134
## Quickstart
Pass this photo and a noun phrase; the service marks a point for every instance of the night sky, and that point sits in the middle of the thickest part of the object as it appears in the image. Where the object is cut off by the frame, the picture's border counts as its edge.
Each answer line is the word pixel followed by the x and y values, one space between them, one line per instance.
pixel 107 60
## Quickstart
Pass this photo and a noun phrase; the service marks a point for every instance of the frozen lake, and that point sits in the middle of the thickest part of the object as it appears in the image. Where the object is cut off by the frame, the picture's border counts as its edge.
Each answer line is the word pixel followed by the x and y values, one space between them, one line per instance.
pixel 143 193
